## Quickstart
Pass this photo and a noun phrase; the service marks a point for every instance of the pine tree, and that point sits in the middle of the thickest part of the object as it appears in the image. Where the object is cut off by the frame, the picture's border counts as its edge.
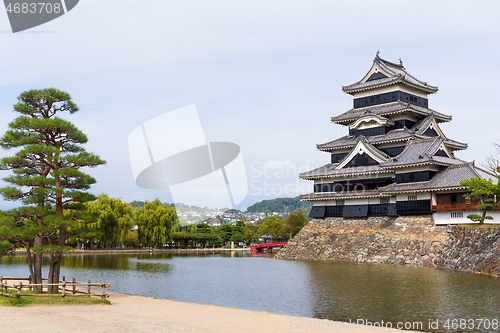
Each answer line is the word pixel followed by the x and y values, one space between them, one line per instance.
pixel 46 176
pixel 484 191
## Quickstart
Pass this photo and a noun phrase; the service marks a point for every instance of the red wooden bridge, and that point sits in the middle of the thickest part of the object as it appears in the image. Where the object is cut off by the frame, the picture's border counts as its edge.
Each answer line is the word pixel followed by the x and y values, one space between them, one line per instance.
pixel 269 247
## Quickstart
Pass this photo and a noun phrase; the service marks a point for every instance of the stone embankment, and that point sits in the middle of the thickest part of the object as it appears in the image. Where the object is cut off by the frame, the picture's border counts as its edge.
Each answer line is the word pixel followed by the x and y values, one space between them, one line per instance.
pixel 402 240
pixel 413 240
pixel 474 250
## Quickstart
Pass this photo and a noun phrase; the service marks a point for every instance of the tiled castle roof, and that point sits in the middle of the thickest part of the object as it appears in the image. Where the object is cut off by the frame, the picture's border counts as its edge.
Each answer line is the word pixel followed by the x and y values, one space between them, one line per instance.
pixel 329 171
pixel 388 74
pixel 421 152
pixel 417 152
pixel 402 134
pixel 386 110
pixel 446 179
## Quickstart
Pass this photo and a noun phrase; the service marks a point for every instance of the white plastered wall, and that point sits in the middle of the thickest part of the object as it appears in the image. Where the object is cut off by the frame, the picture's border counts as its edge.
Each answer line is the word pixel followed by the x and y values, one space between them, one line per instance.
pixel 453 217
pixel 420 196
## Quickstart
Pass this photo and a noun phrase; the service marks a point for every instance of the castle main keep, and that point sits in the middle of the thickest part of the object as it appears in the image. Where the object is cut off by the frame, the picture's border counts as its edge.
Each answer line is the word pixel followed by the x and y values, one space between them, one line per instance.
pixel 396 160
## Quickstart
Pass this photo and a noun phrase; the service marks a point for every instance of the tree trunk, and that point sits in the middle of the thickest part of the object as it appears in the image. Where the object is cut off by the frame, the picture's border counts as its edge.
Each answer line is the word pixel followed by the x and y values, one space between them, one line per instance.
pixel 55 261
pixel 484 212
pixel 38 256
pixel 57 271
pixel 56 258
pixel 50 277
pixel 30 262
pixel 37 266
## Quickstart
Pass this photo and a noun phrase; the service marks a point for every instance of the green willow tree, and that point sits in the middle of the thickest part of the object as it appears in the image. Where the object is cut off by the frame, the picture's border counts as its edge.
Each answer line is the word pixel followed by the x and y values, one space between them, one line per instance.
pixel 46 176
pixel 114 219
pixel 483 191
pixel 154 222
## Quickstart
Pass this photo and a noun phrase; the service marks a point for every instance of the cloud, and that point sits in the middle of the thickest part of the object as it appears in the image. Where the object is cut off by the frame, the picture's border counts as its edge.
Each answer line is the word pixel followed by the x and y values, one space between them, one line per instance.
pixel 278 164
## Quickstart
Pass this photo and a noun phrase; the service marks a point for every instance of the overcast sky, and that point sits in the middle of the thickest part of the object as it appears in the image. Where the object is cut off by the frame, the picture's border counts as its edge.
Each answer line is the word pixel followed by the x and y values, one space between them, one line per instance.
pixel 266 75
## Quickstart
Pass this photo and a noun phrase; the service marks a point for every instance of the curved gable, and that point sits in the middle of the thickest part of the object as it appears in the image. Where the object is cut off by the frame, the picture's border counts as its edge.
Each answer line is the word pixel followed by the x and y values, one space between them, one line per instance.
pixel 372 156
pixel 371 121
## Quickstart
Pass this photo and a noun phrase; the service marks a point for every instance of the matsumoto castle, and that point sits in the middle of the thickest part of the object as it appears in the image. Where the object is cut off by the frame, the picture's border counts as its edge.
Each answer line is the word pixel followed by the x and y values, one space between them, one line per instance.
pixel 395 160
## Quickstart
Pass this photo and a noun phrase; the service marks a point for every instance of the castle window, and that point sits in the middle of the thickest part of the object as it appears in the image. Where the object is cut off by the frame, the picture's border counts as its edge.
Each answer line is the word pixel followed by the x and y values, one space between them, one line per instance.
pixel 340 202
pixel 412 197
pixel 455 215
pixel 385 200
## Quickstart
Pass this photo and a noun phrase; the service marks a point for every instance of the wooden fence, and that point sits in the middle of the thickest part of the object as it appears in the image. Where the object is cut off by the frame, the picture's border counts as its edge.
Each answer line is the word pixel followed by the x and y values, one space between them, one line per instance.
pixel 63 286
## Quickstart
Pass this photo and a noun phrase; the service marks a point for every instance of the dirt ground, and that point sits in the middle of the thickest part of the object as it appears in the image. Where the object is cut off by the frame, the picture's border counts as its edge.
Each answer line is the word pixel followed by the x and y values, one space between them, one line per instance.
pixel 130 313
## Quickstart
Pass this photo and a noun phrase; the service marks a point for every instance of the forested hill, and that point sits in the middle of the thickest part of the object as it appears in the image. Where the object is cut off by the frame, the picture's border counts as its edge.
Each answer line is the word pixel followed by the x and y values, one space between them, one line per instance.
pixel 287 205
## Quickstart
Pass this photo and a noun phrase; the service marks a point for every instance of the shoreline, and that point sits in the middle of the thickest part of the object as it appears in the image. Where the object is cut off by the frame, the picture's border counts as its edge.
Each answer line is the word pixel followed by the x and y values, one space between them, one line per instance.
pixel 143 251
pixel 135 313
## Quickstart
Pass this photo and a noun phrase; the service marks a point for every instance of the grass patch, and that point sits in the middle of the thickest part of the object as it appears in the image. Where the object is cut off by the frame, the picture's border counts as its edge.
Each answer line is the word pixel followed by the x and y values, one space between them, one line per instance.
pixel 47 300
pixel 481 226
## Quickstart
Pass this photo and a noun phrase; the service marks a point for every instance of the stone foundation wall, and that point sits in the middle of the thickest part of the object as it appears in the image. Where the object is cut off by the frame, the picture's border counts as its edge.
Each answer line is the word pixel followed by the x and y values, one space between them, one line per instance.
pixel 403 240
pixel 411 240
pixel 474 250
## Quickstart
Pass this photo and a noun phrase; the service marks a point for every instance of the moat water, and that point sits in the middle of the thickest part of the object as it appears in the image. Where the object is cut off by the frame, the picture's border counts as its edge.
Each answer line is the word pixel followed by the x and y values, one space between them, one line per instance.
pixel 339 291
